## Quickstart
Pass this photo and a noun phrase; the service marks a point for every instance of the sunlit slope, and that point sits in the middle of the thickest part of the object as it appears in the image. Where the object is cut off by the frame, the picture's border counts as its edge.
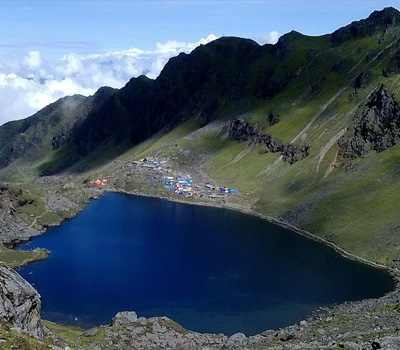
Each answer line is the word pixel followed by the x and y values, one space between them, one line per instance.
pixel 353 203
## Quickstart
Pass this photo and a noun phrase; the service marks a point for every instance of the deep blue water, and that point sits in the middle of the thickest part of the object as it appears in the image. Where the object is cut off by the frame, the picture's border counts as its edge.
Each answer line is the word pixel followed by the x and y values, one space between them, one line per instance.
pixel 211 270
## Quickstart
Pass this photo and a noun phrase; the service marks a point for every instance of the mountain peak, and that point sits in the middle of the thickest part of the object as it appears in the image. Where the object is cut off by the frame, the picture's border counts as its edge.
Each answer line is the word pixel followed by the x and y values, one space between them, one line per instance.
pixel 378 22
pixel 389 14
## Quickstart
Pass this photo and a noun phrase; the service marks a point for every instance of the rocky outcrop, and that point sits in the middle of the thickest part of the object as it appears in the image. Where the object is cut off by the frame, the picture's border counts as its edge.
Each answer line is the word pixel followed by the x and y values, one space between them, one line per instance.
pixel 378 127
pixel 11 226
pixel 242 131
pixel 292 153
pixel 378 21
pixel 163 333
pixel 124 317
pixel 60 139
pixel 361 81
pixel 19 303
pixel 273 144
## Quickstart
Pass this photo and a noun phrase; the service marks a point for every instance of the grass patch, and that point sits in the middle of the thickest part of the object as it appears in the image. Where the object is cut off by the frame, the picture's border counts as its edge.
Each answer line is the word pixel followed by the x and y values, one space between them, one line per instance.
pixel 67 333
pixel 12 339
pixel 389 307
pixel 49 219
pixel 58 160
pixel 181 130
pixel 16 258
pixel 74 336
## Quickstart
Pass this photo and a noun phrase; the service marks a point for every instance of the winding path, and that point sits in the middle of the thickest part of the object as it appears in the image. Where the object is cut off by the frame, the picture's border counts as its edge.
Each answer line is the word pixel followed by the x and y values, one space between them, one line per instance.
pixel 35 220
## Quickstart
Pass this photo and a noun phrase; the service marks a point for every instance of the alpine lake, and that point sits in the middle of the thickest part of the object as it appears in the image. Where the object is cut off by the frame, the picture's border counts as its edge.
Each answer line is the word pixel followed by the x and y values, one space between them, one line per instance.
pixel 210 269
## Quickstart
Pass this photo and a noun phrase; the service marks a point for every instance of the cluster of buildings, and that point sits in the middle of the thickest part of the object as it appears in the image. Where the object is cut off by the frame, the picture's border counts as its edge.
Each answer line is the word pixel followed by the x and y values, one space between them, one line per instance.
pixel 183 184
pixel 151 163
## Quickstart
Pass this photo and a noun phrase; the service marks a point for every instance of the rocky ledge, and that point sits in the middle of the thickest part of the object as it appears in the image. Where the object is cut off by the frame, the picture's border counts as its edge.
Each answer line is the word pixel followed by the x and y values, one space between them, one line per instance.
pixel 19 303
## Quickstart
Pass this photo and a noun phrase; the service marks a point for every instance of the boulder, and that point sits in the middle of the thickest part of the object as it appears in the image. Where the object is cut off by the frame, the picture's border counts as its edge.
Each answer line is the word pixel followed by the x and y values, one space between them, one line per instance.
pixel 124 317
pixel 238 338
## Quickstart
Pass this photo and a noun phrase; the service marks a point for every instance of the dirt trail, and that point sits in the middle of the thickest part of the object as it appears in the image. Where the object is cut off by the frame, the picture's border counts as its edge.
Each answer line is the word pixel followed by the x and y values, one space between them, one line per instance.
pixel 241 154
pixel 328 146
pixel 35 220
pixel 375 57
pixel 318 114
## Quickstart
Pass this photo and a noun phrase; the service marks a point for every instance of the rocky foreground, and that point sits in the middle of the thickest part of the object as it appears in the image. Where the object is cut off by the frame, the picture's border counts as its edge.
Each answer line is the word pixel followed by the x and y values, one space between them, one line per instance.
pixel 369 324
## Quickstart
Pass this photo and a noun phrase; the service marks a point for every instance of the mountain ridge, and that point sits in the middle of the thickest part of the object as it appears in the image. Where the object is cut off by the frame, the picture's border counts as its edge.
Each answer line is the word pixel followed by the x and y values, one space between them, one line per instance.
pixel 162 103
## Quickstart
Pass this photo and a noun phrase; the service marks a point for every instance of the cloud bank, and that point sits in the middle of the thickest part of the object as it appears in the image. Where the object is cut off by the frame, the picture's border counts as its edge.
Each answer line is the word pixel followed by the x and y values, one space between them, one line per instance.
pixel 32 83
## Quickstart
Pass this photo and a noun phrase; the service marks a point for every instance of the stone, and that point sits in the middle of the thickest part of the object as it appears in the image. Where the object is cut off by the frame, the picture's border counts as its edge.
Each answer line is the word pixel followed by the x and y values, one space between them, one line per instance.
pixel 286 336
pixel 138 330
pixel 124 317
pixel 390 343
pixel 377 128
pixel 91 332
pixel 239 338
pixel 350 345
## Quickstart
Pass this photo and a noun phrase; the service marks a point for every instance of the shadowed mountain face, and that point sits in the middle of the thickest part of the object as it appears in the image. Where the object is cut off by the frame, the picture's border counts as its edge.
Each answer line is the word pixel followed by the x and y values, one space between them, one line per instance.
pixel 226 74
pixel 378 21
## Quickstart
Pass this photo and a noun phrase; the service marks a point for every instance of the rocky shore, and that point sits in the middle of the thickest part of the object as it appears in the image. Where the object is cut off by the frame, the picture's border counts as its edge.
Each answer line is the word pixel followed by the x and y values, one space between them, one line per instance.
pixel 368 324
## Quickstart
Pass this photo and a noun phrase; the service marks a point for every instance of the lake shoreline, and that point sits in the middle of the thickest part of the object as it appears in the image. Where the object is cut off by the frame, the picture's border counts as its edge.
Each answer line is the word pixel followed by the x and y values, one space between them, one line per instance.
pixel 216 204
pixel 294 263
pixel 395 272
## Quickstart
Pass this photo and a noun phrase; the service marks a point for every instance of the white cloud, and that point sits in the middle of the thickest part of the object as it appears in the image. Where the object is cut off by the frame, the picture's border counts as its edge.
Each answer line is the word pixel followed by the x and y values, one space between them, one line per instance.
pixel 33 60
pixel 173 46
pixel 32 83
pixel 270 38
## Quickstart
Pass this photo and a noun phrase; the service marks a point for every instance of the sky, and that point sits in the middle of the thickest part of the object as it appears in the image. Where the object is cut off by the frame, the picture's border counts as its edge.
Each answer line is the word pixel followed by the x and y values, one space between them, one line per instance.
pixel 53 48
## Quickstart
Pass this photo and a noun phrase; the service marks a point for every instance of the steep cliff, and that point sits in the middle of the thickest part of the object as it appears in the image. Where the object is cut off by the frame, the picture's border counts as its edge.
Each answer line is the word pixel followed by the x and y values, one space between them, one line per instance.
pixel 19 303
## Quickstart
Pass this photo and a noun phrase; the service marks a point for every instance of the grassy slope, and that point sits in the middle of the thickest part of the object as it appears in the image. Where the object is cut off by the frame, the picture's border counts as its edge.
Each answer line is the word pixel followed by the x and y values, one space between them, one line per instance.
pixel 355 209
pixel 16 258
pixel 11 339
